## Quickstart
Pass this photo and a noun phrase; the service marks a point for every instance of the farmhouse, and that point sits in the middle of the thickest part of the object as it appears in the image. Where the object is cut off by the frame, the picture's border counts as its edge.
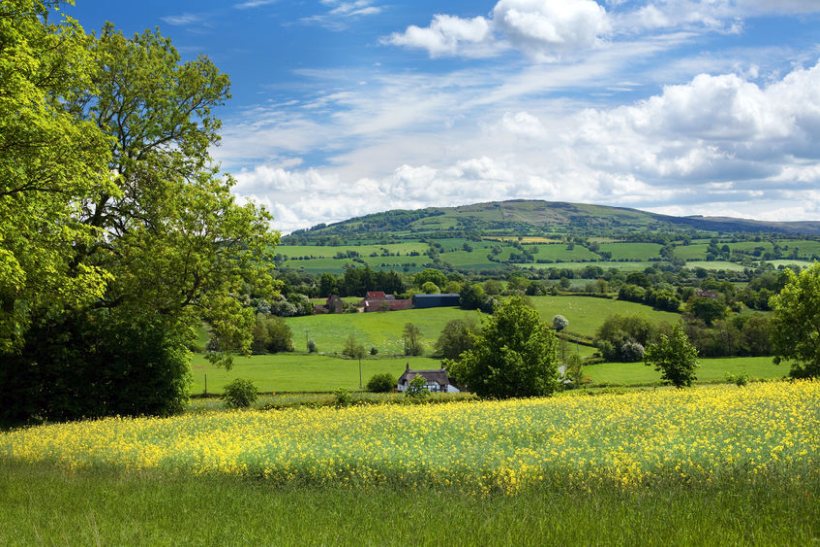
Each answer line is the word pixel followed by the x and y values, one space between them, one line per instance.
pixel 379 301
pixel 437 380
pixel 435 300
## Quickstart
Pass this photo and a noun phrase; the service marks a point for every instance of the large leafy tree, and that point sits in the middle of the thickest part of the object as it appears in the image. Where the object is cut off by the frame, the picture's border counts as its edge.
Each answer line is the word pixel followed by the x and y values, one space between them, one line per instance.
pixel 796 322
pixel 50 161
pixel 513 356
pixel 166 235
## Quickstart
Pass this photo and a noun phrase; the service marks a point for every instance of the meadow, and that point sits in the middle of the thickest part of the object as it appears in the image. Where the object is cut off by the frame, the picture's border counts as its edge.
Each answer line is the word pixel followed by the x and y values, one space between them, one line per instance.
pixel 718 464
pixel 639 439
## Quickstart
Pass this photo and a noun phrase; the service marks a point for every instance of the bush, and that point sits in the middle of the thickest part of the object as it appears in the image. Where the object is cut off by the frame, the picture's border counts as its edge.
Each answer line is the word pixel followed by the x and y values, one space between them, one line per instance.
pixel 456 338
pixel 381 383
pixel 311 346
pixel 240 393
pixel 271 335
pixel 559 323
pixel 89 365
pixel 342 398
pixel 417 389
pixel 632 352
pixel 412 340
pixel 374 350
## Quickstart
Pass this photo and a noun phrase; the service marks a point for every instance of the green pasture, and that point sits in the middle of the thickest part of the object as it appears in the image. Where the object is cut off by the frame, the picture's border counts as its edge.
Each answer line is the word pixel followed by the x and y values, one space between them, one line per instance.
pixel 622 266
pixel 587 314
pixel 560 253
pixel 709 370
pixel 806 247
pixel 322 251
pixel 792 262
pixel 292 372
pixel 716 265
pixel 696 251
pixel 632 251
pixel 382 330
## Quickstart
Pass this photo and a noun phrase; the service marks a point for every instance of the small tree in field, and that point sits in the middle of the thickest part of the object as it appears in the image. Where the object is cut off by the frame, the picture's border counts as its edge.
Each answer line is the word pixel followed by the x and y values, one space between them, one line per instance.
pixel 796 332
pixel 240 393
pixel 675 357
pixel 417 389
pixel 412 340
pixel 559 323
pixel 381 383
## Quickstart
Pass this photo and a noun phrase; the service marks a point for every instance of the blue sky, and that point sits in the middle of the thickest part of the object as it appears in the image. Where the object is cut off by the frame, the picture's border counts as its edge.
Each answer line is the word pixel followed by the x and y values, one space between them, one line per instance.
pixel 346 107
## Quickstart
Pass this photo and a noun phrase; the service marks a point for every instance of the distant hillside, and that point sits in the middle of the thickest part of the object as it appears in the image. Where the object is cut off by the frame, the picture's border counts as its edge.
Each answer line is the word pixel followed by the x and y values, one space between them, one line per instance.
pixel 530 218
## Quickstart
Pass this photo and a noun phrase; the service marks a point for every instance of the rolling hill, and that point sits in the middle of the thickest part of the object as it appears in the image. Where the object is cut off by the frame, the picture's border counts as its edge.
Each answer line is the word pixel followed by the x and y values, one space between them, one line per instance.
pixel 520 218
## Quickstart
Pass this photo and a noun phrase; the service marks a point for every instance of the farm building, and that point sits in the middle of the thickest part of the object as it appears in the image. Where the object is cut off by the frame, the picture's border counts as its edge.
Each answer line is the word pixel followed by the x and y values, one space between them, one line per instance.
pixel 379 301
pixel 437 380
pixel 435 300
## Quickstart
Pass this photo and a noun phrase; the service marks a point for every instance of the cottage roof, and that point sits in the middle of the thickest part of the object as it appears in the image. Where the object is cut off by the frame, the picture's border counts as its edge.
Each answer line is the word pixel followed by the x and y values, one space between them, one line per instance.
pixel 375 295
pixel 439 376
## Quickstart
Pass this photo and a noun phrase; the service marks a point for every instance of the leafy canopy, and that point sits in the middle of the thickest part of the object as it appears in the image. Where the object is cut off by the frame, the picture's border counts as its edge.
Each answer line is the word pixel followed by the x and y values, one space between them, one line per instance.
pixel 796 322
pixel 513 356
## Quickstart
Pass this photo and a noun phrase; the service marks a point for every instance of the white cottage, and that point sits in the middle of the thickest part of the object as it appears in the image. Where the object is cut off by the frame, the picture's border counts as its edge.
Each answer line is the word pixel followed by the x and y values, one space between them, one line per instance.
pixel 437 380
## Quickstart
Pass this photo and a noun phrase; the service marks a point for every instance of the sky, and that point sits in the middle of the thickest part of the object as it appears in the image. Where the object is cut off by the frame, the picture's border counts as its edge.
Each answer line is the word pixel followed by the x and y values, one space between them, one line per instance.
pixel 341 108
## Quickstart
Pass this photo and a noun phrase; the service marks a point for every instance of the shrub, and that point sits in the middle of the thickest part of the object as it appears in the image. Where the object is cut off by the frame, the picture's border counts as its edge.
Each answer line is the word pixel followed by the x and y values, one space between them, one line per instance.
pixel 342 398
pixel 381 383
pixel 675 357
pixel 559 323
pixel 240 393
pixel 417 389
pixel 271 335
pixel 311 346
pixel 632 352
pixel 374 350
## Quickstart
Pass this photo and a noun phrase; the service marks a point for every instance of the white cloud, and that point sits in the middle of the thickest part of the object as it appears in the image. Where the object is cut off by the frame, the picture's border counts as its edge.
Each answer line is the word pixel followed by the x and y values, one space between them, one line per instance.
pixel 542 29
pixel 545 28
pixel 448 35
pixel 183 19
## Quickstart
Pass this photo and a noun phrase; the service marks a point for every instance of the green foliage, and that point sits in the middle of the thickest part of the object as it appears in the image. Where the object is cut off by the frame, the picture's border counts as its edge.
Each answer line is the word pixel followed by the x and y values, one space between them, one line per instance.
pixel 241 393
pixel 674 357
pixel 430 275
pixel 342 398
pixel 796 322
pixel 707 309
pixel 93 364
pixel 456 338
pixel 382 383
pixel 412 340
pixel 559 323
pixel 353 349
pixel 136 223
pixel 51 162
pixel 311 346
pixel 514 356
pixel 622 338
pixel 430 288
pixel 417 389
pixel 271 335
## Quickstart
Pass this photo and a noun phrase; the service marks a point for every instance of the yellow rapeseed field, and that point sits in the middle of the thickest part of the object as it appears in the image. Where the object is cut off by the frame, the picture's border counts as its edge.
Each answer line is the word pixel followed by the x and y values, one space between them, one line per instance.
pixel 697 435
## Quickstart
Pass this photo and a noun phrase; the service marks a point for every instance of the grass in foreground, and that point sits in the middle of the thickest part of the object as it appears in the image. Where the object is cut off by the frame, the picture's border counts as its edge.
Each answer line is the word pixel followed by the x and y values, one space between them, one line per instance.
pixel 43 504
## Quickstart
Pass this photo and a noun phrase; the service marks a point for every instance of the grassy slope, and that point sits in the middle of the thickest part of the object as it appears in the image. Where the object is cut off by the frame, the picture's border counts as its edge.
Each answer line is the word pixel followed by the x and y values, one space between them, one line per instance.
pixel 44 505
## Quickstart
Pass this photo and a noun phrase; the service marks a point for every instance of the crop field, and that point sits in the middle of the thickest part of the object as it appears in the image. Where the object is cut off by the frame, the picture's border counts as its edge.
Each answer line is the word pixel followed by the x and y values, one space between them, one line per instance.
pixel 692 436
pixel 321 251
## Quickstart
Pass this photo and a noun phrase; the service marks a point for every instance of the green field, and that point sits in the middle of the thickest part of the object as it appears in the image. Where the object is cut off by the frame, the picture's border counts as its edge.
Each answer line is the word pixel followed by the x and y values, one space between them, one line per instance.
pixel 716 265
pixel 632 251
pixel 709 370
pixel 587 314
pixel 560 253
pixel 622 266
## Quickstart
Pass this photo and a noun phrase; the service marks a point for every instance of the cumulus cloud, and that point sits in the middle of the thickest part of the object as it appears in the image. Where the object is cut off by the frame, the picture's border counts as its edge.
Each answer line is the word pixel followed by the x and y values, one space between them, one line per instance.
pixel 539 28
pixel 718 143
